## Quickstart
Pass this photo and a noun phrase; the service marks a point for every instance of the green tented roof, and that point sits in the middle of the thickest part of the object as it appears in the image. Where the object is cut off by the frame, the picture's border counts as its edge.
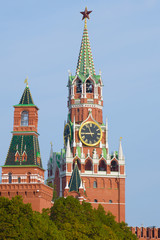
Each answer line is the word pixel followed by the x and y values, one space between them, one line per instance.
pixel 20 144
pixel 75 180
pixel 26 97
pixel 85 65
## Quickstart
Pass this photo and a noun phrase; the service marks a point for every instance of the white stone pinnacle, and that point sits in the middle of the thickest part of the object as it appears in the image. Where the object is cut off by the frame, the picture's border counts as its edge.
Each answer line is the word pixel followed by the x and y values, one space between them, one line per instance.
pixel 120 152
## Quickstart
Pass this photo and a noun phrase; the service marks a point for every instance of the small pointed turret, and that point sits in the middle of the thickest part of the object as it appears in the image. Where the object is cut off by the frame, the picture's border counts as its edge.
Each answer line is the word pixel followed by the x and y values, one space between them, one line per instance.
pixel 120 152
pixel 68 150
pixel 75 180
pixel 26 97
pixel 51 153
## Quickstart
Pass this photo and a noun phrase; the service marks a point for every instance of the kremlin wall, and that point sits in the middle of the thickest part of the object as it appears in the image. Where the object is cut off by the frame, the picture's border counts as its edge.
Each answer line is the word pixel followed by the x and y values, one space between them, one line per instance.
pixel 84 167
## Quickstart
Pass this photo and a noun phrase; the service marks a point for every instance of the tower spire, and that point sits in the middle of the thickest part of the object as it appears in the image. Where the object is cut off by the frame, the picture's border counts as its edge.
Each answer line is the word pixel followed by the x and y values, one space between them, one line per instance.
pixel 85 65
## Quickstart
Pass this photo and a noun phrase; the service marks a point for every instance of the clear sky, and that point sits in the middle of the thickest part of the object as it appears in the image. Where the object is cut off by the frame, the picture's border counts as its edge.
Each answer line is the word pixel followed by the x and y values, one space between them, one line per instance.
pixel 41 40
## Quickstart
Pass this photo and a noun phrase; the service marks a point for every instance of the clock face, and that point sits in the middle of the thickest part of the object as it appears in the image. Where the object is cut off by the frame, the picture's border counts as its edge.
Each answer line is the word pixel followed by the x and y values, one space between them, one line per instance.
pixel 90 133
pixel 66 134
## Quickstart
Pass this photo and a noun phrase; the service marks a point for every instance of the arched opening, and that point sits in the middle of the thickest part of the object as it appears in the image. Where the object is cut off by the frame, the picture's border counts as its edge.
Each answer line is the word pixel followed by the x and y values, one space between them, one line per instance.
pixel 78 163
pixel 28 177
pixel 114 166
pixel 95 184
pixel 102 166
pixel 10 177
pixel 78 86
pixel 19 180
pixel 89 86
pixel 24 118
pixel 95 200
pixel 88 165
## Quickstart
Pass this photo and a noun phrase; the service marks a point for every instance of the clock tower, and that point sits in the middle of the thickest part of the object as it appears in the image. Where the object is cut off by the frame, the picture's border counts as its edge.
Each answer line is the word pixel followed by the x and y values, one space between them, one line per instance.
pixel 84 168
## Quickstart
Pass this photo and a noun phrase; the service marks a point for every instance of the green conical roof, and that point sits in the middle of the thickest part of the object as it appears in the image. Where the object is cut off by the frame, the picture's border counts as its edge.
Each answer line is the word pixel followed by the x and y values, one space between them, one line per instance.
pixel 26 97
pixel 85 60
pixel 85 65
pixel 75 180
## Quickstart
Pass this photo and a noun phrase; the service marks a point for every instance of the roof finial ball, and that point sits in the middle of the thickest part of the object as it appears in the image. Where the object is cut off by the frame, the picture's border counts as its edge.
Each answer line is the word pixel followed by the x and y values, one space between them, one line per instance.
pixel 26 81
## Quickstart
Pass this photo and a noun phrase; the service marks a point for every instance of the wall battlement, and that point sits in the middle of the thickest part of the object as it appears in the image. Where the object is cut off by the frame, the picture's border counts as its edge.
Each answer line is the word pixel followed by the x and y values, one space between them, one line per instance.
pixel 150 233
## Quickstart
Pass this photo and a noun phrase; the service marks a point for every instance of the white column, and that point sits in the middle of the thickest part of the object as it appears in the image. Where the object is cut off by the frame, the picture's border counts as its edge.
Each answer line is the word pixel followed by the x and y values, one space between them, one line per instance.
pixel 106 133
pixel 74 142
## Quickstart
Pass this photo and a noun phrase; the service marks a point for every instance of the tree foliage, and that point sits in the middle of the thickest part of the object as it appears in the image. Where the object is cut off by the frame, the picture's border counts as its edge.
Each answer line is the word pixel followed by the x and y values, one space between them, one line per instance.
pixel 67 219
pixel 80 221
pixel 18 221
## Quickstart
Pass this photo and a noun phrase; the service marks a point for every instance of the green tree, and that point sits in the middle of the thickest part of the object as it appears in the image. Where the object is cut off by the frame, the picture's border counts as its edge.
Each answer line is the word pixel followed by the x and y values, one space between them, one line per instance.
pixel 80 221
pixel 18 221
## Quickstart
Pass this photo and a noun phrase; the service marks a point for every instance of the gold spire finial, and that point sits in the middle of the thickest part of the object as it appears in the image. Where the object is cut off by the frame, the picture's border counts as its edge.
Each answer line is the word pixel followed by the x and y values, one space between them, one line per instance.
pixel 51 144
pixel 26 81
pixel 120 139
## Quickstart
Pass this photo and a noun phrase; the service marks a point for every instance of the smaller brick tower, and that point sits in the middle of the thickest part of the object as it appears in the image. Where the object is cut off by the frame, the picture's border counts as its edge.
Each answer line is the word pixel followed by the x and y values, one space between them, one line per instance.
pixel 22 173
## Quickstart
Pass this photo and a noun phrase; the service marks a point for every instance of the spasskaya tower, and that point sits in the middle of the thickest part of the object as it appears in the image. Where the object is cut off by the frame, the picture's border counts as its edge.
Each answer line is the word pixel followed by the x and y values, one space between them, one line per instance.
pixel 84 168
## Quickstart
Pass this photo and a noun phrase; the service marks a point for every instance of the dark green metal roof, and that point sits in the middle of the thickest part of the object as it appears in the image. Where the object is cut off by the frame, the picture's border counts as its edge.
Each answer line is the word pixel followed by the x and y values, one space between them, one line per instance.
pixel 75 180
pixel 20 144
pixel 85 65
pixel 26 97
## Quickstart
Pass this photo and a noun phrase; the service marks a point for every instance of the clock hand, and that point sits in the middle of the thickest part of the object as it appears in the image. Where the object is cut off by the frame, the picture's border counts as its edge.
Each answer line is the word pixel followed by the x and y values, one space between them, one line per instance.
pixel 89 130
pixel 90 133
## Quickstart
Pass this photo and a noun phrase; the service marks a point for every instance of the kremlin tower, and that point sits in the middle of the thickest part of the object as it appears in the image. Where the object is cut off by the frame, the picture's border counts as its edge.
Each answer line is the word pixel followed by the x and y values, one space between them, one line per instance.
pixel 22 173
pixel 84 168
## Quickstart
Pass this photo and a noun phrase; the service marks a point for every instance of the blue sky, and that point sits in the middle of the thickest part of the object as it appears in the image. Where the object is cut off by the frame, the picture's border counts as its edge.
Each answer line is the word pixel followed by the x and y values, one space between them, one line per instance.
pixel 41 39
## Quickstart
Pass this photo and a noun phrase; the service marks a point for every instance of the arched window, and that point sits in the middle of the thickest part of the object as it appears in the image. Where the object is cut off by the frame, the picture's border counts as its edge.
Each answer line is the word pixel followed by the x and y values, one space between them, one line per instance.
pixel 110 201
pixel 24 118
pixel 88 165
pixel 95 184
pixel 10 177
pixel 102 166
pixel 78 86
pixel 19 180
pixel 89 86
pixel 114 166
pixel 95 200
pixel 28 177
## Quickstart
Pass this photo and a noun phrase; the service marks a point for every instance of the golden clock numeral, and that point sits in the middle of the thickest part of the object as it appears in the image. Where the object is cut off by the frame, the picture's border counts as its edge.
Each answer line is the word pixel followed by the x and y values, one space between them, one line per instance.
pixel 97 129
pixel 90 142
pixel 90 124
pixel 98 134
pixel 83 137
pixel 86 140
pixel 94 140
pixel 97 137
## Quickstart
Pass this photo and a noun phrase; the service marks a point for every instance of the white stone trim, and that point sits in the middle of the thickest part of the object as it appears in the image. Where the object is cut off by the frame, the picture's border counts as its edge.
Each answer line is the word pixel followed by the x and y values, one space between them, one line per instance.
pixel 86 105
